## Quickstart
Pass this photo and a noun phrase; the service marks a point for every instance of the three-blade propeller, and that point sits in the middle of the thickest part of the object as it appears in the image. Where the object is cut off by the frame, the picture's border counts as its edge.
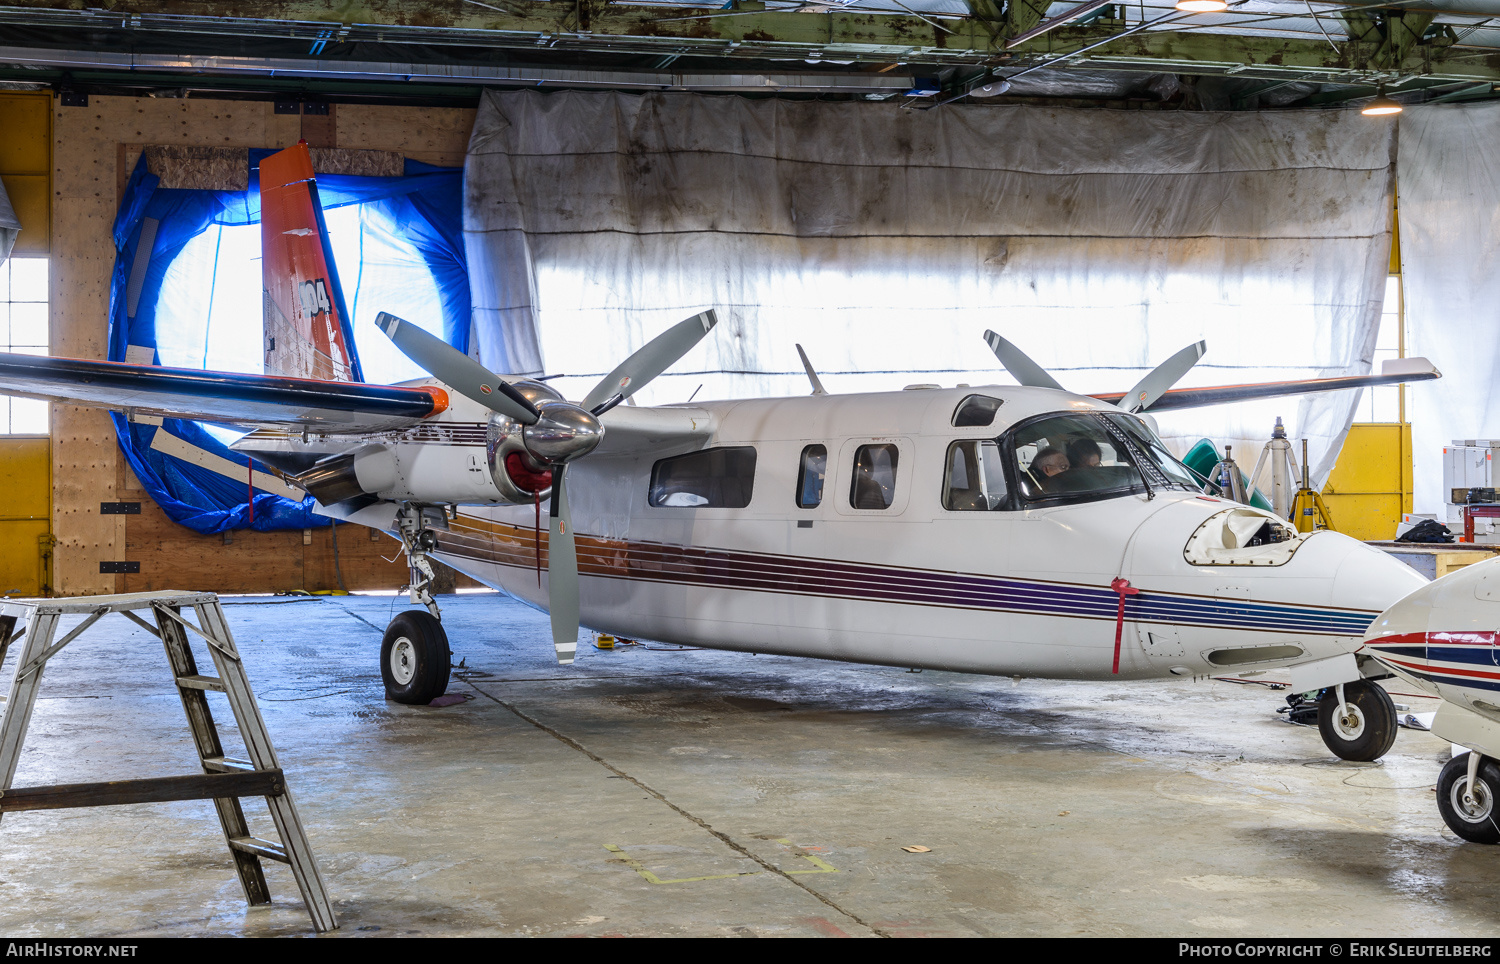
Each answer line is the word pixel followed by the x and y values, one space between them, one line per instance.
pixel 1138 399
pixel 556 433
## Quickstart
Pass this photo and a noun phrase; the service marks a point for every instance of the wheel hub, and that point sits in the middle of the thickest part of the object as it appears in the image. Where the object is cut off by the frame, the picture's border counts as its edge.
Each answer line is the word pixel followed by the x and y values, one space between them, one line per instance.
pixel 1351 722
pixel 1474 803
pixel 403 661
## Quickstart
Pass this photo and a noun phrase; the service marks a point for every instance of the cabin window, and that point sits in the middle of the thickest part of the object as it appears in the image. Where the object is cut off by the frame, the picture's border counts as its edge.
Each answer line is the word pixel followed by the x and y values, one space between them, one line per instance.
pixel 976 411
pixel 719 478
pixel 810 477
pixel 874 485
pixel 976 477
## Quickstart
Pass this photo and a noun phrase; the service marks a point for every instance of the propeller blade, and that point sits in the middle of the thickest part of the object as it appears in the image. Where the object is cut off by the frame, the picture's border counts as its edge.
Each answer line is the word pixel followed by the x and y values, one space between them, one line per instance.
pixel 1161 378
pixel 457 370
pixel 562 574
pixel 659 354
pixel 1023 369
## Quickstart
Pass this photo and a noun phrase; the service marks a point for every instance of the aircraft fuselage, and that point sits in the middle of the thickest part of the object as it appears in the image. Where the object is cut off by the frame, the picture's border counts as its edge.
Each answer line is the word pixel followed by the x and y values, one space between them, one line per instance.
pixel 1020 591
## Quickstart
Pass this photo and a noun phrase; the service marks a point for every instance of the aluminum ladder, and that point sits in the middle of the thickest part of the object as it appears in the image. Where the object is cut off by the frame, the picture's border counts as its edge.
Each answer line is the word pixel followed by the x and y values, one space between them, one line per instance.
pixel 224 780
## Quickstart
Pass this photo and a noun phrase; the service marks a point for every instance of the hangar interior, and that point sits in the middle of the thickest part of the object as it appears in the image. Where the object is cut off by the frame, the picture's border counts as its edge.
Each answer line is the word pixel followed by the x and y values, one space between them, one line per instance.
pixel 861 193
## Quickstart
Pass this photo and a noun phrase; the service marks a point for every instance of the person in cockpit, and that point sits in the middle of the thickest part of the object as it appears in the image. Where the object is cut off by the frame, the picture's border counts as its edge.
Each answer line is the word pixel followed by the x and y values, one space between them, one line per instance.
pixel 1083 453
pixel 1049 461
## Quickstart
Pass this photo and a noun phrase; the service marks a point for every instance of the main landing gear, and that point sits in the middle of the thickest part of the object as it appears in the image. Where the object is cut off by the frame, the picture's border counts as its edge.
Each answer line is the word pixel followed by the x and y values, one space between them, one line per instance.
pixel 1466 793
pixel 1357 720
pixel 414 656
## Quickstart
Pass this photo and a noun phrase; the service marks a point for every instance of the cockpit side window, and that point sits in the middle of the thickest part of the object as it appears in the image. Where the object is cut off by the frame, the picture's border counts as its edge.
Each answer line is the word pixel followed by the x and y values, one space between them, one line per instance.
pixel 1083 456
pixel 975 478
pixel 1069 454
pixel 976 411
pixel 874 485
pixel 1073 457
pixel 811 475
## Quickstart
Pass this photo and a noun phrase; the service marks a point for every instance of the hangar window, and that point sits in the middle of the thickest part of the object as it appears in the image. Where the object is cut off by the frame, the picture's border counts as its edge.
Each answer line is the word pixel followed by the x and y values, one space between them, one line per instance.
pixel 23 328
pixel 810 477
pixel 976 477
pixel 719 478
pixel 874 485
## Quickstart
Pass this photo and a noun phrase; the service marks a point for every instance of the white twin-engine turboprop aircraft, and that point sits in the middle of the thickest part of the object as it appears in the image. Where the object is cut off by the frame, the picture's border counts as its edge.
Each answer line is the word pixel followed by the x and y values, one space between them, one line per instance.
pixel 1021 531
pixel 1443 639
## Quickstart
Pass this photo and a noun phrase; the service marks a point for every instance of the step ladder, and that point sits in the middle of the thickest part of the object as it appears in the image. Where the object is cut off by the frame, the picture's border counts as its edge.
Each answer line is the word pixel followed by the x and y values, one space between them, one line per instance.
pixel 224 780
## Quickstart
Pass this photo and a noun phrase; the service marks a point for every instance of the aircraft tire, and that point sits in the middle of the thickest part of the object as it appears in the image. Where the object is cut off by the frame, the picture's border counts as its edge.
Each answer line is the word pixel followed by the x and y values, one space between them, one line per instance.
pixel 1371 730
pixel 1474 822
pixel 415 659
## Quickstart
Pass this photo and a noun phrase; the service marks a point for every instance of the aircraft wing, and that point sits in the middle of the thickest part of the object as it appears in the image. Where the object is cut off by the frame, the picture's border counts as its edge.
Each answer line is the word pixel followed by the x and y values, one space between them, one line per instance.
pixel 1392 372
pixel 229 398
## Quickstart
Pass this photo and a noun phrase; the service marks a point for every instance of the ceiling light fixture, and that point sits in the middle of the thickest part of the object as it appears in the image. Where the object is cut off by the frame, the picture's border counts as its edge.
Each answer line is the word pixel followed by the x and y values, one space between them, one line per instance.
pixel 1202 6
pixel 1381 105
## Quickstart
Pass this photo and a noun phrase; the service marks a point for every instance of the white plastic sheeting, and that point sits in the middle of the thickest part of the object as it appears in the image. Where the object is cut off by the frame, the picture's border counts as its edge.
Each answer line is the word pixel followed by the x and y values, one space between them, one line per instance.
pixel 886 241
pixel 1450 250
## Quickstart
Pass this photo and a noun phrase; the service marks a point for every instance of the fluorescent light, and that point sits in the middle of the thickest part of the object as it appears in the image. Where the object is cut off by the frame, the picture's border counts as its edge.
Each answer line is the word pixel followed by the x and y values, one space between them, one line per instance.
pixel 1202 6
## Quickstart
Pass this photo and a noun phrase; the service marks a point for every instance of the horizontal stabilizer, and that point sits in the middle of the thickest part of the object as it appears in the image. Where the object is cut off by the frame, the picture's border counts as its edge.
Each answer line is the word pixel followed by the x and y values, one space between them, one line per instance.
pixel 228 398
pixel 1409 370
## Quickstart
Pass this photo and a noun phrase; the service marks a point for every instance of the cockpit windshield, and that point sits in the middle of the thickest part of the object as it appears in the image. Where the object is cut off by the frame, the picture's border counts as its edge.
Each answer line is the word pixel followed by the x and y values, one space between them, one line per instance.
pixel 1082 456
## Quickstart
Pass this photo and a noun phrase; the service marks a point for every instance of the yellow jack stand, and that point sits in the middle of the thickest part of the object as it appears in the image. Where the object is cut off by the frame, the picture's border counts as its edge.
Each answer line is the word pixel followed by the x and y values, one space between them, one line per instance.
pixel 1309 511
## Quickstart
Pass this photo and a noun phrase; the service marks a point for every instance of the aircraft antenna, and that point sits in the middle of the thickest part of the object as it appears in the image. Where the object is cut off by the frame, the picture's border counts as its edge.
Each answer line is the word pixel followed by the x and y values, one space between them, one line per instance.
pixel 812 376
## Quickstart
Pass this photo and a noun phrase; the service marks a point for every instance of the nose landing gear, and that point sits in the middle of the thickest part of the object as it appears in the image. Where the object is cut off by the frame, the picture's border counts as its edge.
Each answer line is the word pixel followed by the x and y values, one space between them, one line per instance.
pixel 1357 720
pixel 1466 793
pixel 415 659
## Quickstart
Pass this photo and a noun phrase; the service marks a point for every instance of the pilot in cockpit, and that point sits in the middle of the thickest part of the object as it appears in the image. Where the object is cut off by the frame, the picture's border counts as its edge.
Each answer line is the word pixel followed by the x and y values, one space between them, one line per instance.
pixel 1049 461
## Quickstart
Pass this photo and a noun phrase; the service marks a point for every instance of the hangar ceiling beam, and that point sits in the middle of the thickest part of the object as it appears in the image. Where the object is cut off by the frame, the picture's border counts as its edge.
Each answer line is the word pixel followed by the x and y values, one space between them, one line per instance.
pixel 1407 48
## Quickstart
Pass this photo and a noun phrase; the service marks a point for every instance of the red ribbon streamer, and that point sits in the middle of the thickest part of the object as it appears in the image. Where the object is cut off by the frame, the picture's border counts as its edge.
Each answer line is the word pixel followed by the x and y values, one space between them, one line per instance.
pixel 1122 586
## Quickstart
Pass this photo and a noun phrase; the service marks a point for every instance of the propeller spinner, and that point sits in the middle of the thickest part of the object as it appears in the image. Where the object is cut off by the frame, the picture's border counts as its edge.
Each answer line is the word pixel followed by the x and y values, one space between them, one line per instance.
pixel 554 432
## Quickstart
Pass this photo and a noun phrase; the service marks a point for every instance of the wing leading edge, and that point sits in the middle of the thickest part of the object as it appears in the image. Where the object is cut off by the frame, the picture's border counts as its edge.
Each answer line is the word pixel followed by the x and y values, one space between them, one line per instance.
pixel 229 398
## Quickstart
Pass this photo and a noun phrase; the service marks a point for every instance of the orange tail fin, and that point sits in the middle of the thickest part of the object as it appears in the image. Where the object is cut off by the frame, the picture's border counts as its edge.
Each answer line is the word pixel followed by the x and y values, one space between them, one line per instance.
pixel 308 331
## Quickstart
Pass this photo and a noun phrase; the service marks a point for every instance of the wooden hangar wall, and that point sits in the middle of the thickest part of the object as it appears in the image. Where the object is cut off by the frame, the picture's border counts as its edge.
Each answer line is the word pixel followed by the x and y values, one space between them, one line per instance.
pixel 94 149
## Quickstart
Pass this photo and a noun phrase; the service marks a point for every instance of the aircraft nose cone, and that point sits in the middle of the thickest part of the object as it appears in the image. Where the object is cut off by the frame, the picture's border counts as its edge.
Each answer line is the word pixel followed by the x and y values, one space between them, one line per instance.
pixel 1370 579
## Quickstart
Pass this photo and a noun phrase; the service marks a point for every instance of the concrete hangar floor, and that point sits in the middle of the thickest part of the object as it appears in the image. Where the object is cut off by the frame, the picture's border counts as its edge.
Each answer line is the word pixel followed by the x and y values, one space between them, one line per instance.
pixel 656 790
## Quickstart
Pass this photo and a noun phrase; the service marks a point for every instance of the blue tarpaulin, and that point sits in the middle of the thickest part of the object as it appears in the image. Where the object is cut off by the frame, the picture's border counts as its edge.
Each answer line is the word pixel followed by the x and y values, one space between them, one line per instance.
pixel 422 210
